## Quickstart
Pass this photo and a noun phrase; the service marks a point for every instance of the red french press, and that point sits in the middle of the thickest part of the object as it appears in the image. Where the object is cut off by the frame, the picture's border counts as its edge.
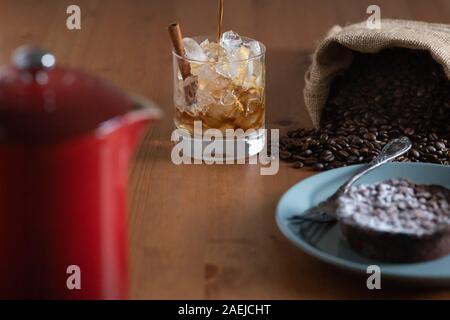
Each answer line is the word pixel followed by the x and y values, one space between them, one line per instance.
pixel 66 139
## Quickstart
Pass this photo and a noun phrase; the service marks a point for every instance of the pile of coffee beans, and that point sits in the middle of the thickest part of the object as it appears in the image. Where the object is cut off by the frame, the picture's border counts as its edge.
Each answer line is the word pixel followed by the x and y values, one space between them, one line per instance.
pixel 396 92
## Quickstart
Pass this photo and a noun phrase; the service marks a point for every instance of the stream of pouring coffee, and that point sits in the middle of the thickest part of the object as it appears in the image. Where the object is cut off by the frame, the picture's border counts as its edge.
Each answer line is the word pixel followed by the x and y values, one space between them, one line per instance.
pixel 219 25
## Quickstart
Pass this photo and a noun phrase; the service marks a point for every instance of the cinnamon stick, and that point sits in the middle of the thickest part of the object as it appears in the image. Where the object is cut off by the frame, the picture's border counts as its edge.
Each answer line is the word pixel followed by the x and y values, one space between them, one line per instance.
pixel 178 46
pixel 176 36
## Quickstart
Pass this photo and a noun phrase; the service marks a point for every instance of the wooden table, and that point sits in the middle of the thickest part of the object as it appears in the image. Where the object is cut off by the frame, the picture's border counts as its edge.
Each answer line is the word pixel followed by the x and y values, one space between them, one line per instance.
pixel 200 231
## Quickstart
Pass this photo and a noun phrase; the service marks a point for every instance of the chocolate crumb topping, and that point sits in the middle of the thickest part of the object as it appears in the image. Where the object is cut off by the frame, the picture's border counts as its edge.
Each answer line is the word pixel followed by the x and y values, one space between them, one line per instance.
pixel 396 206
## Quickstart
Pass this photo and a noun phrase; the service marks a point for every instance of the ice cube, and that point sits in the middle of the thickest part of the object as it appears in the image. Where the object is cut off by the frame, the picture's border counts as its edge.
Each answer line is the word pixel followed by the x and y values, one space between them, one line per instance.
pixel 180 100
pixel 231 102
pixel 242 53
pixel 235 66
pixel 252 81
pixel 205 43
pixel 211 85
pixel 212 50
pixel 193 50
pixel 252 100
pixel 185 91
pixel 254 47
pixel 204 98
pixel 241 67
pixel 209 78
pixel 231 42
pixel 228 108
pixel 255 74
pixel 254 120
pixel 223 68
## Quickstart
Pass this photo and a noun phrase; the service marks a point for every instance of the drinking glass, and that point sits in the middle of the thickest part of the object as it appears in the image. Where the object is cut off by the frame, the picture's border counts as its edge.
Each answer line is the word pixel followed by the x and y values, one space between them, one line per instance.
pixel 221 89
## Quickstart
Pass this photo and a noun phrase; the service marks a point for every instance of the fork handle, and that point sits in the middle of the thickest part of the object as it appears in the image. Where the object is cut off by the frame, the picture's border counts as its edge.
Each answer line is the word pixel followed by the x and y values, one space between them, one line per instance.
pixel 391 151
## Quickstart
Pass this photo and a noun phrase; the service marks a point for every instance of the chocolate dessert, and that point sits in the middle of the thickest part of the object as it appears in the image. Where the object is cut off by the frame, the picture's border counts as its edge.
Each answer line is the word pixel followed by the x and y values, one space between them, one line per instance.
pixel 396 220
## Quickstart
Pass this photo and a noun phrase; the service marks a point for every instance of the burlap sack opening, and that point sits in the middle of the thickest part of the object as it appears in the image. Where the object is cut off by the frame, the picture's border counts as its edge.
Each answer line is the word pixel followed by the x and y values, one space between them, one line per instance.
pixel 335 53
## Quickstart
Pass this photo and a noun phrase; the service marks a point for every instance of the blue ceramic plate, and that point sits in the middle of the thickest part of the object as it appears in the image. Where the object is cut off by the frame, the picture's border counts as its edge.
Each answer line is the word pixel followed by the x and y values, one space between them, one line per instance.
pixel 329 245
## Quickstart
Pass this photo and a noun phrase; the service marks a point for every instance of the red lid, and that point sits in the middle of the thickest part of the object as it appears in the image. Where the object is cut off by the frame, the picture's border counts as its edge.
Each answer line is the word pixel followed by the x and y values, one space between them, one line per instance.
pixel 43 103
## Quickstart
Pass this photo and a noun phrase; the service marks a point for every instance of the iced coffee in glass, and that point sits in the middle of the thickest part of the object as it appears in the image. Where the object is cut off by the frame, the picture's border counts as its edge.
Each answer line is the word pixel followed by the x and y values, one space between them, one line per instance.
pixel 221 84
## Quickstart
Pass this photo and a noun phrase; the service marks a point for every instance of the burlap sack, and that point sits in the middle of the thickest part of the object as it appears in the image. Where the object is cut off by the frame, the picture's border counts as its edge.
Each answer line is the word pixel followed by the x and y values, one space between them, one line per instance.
pixel 335 53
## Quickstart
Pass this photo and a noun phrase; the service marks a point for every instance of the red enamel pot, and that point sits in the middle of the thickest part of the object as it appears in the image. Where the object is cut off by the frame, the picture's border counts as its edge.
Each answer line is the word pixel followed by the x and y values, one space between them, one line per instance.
pixel 66 139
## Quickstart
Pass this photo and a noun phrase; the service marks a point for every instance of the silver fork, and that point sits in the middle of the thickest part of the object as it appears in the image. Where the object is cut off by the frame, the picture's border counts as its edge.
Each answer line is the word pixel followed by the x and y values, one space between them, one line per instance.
pixel 324 211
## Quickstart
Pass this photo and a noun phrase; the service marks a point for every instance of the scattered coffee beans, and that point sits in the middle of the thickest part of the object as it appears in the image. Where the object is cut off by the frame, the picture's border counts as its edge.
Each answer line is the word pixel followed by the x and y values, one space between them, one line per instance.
pixel 382 96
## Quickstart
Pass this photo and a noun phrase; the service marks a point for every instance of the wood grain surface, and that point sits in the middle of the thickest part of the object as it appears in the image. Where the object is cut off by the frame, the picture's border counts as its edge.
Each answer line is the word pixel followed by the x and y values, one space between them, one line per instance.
pixel 200 231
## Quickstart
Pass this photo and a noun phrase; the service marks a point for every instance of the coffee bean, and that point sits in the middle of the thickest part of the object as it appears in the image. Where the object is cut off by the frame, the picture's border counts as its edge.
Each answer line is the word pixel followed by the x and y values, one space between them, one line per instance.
pixel 370 136
pixel 431 149
pixel 323 138
pixel 343 154
pixel 352 159
pixel 379 97
pixel 414 153
pixel 332 148
pixel 318 166
pixel 355 151
pixel 357 141
pixel 298 164
pixel 327 156
pixel 409 131
pixel 310 161
pixel 439 145
pixel 297 157
pixel 285 155
pixel 433 136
